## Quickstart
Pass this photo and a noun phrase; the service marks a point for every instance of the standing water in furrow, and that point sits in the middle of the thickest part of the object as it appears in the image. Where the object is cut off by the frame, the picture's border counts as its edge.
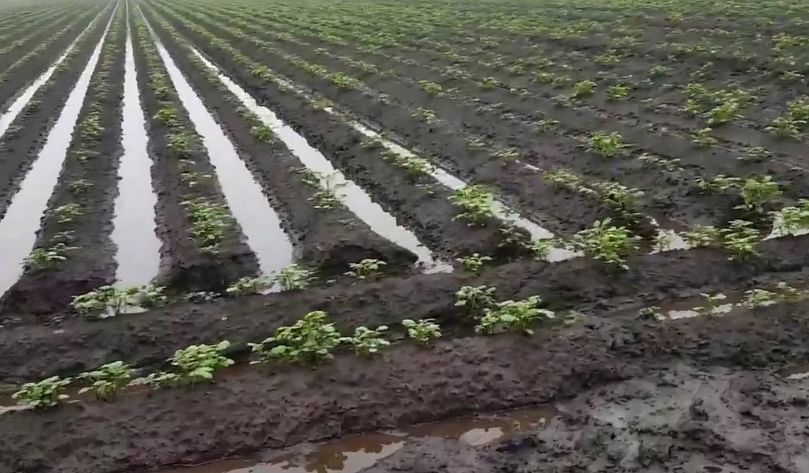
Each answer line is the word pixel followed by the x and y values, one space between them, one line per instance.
pixel 138 247
pixel 19 103
pixel 258 220
pixel 22 219
pixel 354 198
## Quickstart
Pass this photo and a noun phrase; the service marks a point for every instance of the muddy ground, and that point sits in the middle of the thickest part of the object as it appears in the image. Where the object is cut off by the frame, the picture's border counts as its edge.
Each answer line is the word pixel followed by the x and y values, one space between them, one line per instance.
pixel 676 419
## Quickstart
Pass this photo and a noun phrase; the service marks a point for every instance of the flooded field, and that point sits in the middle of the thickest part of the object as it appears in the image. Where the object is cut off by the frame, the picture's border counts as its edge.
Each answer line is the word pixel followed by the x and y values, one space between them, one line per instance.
pixel 264 236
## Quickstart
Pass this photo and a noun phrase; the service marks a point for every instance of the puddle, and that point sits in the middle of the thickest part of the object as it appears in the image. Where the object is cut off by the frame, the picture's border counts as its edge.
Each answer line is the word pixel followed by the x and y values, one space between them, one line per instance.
pixel 351 195
pixel 354 453
pixel 10 114
pixel 251 209
pixel 798 374
pixel 501 210
pixel 138 248
pixel 22 220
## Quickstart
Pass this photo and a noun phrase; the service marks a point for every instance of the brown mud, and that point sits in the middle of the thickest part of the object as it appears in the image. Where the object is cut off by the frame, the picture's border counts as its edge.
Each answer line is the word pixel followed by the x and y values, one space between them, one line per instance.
pixel 251 409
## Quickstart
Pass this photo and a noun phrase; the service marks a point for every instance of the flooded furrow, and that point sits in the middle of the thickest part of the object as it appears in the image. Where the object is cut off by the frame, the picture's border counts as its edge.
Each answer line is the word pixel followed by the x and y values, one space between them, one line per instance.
pixel 259 221
pixel 350 194
pixel 353 453
pixel 22 100
pixel 138 247
pixel 19 226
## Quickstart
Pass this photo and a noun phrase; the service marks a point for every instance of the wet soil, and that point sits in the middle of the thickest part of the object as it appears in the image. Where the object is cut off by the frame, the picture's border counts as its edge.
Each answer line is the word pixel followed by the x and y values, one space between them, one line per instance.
pixel 27 134
pixel 675 197
pixel 184 265
pixel 523 189
pixel 327 239
pixel 68 345
pixel 95 161
pixel 419 201
pixel 677 419
pixel 249 409
pixel 26 72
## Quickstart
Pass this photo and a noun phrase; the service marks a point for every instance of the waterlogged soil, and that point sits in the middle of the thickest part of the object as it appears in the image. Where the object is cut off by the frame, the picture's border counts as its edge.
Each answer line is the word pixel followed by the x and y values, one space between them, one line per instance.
pixel 326 239
pixel 252 408
pixel 91 261
pixel 678 419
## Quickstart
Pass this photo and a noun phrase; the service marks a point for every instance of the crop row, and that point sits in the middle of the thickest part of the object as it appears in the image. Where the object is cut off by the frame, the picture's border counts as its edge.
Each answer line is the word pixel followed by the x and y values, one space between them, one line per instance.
pixel 695 204
pixel 21 72
pixel 73 252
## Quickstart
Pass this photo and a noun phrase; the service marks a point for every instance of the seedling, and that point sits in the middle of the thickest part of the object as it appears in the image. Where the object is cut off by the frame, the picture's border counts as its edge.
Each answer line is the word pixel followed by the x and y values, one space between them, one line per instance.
pixel 740 239
pixel 489 83
pixel 757 298
pixel 167 116
pixel 712 303
pixel 511 315
pixel 198 363
pixel 43 258
pixel 793 219
pixel 476 203
pixel 107 380
pixel 547 125
pixel 209 223
pixel 658 70
pixel 618 92
pixel 66 213
pixel 109 301
pixel 42 394
pixel 541 248
pixel 311 340
pixel 80 186
pixel 703 137
pixel 179 144
pixel 475 299
pixel 702 236
pixel 247 286
pixel 262 133
pixel 366 341
pixel 425 115
pixel 294 277
pixel 608 145
pixel 584 88
pixel 424 331
pixel 345 82
pixel 366 269
pixel 474 263
pixel 607 243
pixel 430 87
pixel 759 191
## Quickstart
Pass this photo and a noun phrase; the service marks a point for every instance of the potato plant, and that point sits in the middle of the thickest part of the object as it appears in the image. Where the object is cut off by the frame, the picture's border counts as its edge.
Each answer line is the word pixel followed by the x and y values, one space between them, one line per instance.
pixel 107 380
pixel 424 331
pixel 367 342
pixel 513 315
pixel 42 394
pixel 310 340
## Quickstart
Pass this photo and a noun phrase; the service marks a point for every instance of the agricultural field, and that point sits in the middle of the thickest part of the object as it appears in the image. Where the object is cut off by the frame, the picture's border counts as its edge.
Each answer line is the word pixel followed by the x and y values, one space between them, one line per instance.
pixel 380 236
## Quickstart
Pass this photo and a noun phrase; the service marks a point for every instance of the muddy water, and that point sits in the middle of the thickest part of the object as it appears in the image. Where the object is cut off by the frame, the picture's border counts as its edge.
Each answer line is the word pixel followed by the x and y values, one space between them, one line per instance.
pixel 19 226
pixel 22 100
pixel 258 220
pixel 138 247
pixel 351 195
pixel 354 453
